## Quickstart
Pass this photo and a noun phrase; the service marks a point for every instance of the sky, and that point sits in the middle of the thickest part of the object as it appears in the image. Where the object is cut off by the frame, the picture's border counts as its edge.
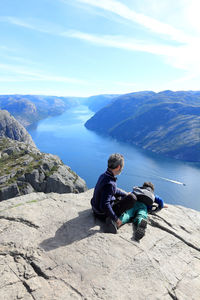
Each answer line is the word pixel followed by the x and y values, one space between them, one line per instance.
pixel 91 47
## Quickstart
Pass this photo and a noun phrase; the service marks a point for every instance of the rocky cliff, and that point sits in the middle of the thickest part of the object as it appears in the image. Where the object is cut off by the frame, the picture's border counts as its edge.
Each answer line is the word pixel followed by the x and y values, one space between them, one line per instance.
pixel 51 247
pixel 24 169
pixel 11 128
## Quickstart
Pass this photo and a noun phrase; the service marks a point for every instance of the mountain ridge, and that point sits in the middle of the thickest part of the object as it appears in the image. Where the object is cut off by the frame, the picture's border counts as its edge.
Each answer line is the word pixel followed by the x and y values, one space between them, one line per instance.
pixel 29 109
pixel 167 122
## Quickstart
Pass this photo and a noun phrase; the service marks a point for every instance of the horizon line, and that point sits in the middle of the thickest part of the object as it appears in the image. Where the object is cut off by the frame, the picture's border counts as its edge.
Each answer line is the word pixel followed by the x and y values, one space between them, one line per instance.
pixel 90 95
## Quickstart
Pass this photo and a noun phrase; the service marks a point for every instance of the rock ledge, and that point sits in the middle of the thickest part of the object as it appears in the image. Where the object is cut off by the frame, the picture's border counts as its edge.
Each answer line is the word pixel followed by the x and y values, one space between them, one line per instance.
pixel 51 247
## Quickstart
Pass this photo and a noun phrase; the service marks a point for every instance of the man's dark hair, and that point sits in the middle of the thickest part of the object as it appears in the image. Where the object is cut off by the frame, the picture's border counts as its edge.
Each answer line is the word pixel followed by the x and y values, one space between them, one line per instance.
pixel 148 184
pixel 115 160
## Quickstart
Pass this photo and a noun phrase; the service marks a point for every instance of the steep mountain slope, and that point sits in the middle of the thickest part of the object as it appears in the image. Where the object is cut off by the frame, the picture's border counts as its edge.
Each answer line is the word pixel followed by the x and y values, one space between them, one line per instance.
pixel 11 128
pixel 166 122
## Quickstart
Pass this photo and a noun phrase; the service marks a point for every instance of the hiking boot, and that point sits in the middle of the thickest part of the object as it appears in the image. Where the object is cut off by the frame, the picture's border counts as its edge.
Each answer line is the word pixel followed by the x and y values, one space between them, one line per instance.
pixel 140 231
pixel 111 226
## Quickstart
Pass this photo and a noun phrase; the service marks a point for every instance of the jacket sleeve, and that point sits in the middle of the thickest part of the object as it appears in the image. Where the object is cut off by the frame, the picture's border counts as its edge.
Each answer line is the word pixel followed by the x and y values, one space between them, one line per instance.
pixel 159 201
pixel 107 198
pixel 120 193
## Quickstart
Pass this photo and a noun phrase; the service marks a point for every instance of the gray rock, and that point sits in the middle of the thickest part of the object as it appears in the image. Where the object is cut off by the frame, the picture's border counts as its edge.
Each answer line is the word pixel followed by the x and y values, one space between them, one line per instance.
pixel 32 170
pixel 51 247
pixel 34 179
pixel 11 128
pixel 4 179
pixel 9 151
pixel 25 188
pixel 9 191
pixel 64 180
pixel 4 155
pixel 56 183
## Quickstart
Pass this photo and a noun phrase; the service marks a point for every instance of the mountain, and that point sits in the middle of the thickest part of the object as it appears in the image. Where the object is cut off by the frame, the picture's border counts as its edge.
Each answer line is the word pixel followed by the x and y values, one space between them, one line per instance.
pixel 97 102
pixel 11 128
pixel 51 247
pixel 29 109
pixel 167 122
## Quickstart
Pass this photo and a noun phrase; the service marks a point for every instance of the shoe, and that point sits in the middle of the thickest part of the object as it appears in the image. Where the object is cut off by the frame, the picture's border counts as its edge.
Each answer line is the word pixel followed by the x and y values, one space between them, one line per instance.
pixel 111 226
pixel 140 231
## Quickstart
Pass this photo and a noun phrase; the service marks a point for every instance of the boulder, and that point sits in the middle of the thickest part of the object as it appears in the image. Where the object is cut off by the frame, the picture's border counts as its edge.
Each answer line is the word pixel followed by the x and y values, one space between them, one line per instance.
pixel 52 247
pixel 9 191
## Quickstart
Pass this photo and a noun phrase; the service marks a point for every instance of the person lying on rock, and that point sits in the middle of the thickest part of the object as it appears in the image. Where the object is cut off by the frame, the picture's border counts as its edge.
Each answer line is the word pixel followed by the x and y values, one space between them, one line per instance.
pixel 139 212
pixel 109 202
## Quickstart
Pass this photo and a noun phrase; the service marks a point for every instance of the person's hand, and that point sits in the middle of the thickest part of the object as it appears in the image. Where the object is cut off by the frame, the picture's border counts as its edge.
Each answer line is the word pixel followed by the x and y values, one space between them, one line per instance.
pixel 165 206
pixel 119 223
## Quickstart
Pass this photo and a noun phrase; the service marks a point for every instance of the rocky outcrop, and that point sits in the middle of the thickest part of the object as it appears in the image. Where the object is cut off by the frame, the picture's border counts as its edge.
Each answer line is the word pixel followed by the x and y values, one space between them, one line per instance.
pixel 11 128
pixel 24 169
pixel 51 247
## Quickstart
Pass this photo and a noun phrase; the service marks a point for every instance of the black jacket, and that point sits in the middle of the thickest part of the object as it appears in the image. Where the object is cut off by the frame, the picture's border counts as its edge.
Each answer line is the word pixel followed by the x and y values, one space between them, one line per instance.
pixel 105 193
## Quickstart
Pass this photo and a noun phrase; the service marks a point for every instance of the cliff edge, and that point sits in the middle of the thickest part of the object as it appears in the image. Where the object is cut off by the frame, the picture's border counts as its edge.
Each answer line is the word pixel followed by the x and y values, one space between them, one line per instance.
pixel 11 128
pixel 24 169
pixel 51 247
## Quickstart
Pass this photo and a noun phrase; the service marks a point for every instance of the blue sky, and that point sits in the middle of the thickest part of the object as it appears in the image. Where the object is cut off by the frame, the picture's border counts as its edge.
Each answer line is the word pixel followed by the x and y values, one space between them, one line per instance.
pixel 90 47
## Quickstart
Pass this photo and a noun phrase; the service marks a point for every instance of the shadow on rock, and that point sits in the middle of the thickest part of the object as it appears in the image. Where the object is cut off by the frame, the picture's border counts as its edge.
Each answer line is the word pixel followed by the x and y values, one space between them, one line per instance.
pixel 73 230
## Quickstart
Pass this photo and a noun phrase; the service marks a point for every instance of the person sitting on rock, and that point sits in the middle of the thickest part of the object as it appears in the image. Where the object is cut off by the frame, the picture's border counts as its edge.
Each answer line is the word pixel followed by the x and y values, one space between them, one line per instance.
pixel 109 202
pixel 139 213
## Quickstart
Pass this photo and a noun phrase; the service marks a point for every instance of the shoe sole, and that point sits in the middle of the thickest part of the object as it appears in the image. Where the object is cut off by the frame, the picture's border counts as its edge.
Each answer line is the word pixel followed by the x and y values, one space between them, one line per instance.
pixel 140 232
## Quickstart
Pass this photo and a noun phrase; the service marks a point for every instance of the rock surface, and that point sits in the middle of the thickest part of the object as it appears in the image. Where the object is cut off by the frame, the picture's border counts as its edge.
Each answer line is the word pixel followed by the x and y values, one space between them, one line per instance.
pixel 51 247
pixel 11 128
pixel 24 169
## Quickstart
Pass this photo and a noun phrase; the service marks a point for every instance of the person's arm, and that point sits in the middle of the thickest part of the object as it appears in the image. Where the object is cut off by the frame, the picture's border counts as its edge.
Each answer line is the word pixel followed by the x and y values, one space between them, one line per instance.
pixel 160 202
pixel 120 193
pixel 106 199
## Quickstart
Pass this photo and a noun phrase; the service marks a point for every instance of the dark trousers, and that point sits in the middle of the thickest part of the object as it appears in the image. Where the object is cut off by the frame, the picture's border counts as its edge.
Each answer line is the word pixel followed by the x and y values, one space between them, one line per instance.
pixel 119 207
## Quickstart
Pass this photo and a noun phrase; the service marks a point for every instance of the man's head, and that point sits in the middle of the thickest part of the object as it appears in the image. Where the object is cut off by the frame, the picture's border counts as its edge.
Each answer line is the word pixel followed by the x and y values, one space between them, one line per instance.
pixel 148 184
pixel 116 163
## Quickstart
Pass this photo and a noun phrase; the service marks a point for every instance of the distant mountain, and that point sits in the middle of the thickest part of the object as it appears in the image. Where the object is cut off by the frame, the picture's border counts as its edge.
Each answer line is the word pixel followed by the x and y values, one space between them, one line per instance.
pixel 166 122
pixel 28 109
pixel 95 103
pixel 11 128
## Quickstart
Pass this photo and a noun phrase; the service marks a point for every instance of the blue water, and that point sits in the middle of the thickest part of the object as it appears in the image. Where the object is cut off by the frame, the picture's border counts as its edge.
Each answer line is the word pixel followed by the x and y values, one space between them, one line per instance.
pixel 87 152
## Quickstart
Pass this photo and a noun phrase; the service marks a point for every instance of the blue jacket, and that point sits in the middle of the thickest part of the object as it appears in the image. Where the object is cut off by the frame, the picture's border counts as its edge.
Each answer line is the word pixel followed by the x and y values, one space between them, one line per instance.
pixel 105 193
pixel 159 201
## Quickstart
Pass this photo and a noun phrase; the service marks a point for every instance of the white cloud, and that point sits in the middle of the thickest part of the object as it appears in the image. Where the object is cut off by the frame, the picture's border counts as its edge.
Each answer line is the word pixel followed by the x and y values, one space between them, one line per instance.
pixel 123 43
pixel 35 75
pixel 16 21
pixel 33 24
pixel 185 15
pixel 147 22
